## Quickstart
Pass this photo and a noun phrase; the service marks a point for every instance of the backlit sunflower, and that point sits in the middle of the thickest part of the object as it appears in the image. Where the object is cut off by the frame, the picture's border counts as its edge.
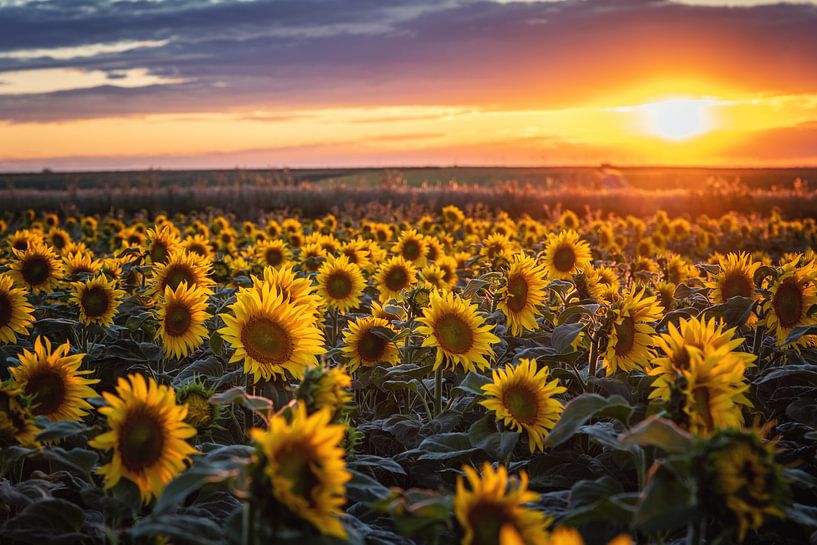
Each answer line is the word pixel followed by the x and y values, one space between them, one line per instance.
pixel 340 283
pixel 54 381
pixel 98 300
pixel 395 275
pixel 491 509
pixel 297 289
pixel 160 242
pixel 16 314
pixel 365 348
pixel 523 399
pixel 37 267
pixel 434 277
pixel 735 278
pixel 201 414
pixel 82 262
pixel 629 346
pixel 198 244
pixel 181 266
pixel 565 254
pixel 454 327
pixel 272 253
pixel 303 465
pixel 694 335
pixel 325 388
pixel 182 313
pixel 791 297
pixel 739 476
pixel 713 392
pixel 523 294
pixel 16 419
pixel 271 335
pixel 147 434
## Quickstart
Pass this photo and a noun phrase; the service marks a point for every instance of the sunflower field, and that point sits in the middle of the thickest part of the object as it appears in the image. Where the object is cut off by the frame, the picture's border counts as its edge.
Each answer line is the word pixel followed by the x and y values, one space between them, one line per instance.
pixel 419 376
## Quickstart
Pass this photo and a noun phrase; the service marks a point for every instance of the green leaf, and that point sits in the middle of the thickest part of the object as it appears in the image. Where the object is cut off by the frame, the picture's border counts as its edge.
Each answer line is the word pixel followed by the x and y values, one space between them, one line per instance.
pixel 800 331
pixel 581 409
pixel 473 383
pixel 55 431
pixel 179 528
pixel 667 502
pixel 240 397
pixel 483 434
pixel 563 336
pixel 446 446
pixel 658 432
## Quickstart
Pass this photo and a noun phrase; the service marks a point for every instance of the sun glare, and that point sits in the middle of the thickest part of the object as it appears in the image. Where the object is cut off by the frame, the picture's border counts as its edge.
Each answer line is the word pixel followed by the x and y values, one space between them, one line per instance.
pixel 678 119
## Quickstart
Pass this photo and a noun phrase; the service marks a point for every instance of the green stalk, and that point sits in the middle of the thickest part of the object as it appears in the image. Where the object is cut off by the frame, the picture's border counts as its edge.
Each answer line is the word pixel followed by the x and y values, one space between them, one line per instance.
pixel 438 391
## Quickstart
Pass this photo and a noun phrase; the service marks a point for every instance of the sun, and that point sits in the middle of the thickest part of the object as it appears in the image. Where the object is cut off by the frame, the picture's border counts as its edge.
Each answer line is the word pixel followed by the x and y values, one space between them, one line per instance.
pixel 678 118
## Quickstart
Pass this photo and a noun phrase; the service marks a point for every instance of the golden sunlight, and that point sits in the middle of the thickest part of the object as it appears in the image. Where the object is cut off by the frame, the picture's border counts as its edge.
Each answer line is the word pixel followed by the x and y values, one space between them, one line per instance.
pixel 678 118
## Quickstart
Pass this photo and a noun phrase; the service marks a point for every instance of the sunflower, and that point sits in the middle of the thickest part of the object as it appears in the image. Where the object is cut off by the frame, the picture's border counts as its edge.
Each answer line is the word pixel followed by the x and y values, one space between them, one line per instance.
pixel 588 284
pixel 629 345
pixel 182 313
pixel 16 419
pixel 304 466
pixel 365 347
pixel 98 300
pixel 271 334
pixel 565 254
pixel 37 267
pixel 694 335
pixel 147 434
pixel 739 475
pixel 491 510
pixel 495 245
pixel 523 294
pixel 272 253
pixel 198 244
pixel 459 333
pixel 298 290
pixel 16 314
pixel 340 283
pixel 55 382
pixel 395 275
pixel 735 278
pixel 791 297
pixel 357 252
pixel 201 414
pixel 181 266
pixel 160 242
pixel 21 240
pixel 58 238
pixel 434 277
pixel 411 246
pixel 325 388
pixel 713 392
pixel 80 262
pixel 523 399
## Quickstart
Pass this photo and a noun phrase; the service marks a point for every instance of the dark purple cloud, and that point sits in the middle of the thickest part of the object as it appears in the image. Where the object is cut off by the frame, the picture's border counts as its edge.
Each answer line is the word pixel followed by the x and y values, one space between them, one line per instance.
pixel 304 53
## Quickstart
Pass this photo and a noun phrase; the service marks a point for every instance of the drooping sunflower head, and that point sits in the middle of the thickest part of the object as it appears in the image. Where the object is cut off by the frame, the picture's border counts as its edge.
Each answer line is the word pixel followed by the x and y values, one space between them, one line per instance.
pixel 433 277
pixel 98 300
pixel 271 335
pixel 16 314
pixel 491 509
pixel 524 400
pixel 565 254
pixel 340 283
pixel 54 381
pixel 523 294
pixel 630 340
pixel 740 478
pixel 367 342
pixel 147 433
pixel 792 295
pixel 181 266
pixel 458 332
pixel 588 284
pixel 300 465
pixel 16 419
pixel 201 414
pixel 182 313
pixel 160 242
pixel 37 267
pixel 395 275
pixel 325 388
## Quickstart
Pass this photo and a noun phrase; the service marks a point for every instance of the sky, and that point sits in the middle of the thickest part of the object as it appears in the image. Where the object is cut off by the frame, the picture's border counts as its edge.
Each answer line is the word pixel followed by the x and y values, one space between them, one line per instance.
pixel 114 84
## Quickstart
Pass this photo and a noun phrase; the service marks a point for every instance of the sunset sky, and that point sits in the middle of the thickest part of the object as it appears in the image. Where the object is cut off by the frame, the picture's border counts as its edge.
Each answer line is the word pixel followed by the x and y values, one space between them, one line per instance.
pixel 105 84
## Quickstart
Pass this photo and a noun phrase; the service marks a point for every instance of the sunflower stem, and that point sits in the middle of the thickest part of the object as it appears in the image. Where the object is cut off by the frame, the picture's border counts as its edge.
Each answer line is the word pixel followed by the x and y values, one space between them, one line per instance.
pixel 438 391
pixel 248 525
pixel 693 533
pixel 758 340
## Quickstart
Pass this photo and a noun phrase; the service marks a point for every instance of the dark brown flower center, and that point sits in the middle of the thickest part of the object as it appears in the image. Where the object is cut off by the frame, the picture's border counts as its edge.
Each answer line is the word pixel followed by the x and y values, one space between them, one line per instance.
pixel 294 464
pixel 274 257
pixel 6 310
pixel 36 270
pixel 266 341
pixel 176 274
pixel 371 347
pixel 486 519
pixel 95 302
pixel 564 259
pixel 47 387
pixel 788 303
pixel 397 278
pixel 177 319
pixel 453 334
pixel 339 285
pixel 736 284
pixel 517 292
pixel 411 250
pixel 522 403
pixel 141 439
pixel 625 336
